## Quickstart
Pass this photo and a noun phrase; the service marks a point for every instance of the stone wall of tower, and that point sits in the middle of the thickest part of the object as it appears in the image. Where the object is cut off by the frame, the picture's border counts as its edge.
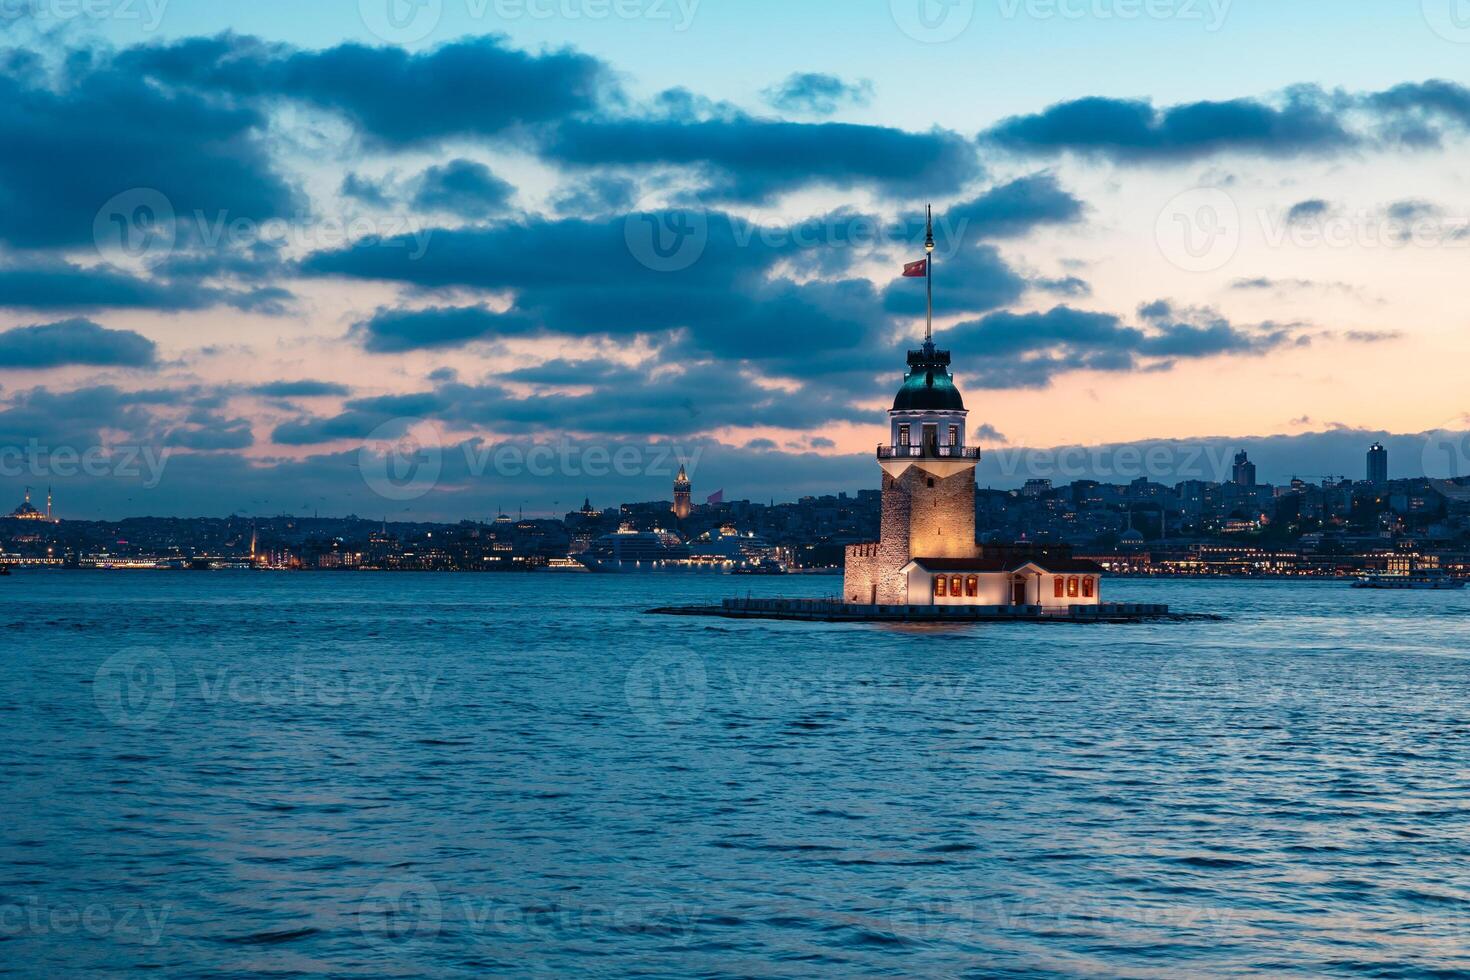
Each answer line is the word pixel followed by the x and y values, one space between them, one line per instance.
pixel 924 516
pixel 859 572
pixel 941 514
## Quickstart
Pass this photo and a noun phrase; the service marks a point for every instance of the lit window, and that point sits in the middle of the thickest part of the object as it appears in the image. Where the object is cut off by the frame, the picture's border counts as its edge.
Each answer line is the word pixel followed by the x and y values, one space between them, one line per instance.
pixel 972 586
pixel 1072 587
pixel 956 588
pixel 1061 585
pixel 1089 584
pixel 903 434
pixel 941 586
pixel 954 435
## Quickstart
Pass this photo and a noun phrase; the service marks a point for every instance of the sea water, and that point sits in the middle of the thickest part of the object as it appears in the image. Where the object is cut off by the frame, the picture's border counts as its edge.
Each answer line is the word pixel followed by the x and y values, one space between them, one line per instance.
pixel 257 774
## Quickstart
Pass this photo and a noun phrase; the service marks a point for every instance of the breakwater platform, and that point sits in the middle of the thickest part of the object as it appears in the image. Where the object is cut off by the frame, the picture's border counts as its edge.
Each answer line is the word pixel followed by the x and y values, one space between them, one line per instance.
pixel 833 611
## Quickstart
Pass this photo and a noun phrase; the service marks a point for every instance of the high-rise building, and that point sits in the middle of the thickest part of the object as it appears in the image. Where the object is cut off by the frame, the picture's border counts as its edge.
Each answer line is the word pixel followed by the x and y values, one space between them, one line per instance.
pixel 1244 474
pixel 683 490
pixel 1377 463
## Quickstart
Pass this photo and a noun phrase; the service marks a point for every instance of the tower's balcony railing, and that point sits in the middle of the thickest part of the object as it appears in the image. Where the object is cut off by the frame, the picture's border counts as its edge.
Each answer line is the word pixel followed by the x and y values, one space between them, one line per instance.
pixel 928 452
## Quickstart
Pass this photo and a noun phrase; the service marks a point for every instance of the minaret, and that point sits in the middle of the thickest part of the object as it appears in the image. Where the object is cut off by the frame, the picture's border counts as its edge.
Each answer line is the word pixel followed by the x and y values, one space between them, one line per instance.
pixel 683 490
pixel 48 503
pixel 928 475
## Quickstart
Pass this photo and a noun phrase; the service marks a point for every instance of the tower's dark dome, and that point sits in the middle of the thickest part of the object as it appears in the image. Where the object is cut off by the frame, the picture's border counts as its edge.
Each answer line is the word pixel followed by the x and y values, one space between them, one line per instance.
pixel 928 387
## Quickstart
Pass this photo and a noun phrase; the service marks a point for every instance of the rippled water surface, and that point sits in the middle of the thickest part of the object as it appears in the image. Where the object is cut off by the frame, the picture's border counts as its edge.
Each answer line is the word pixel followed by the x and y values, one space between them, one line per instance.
pixel 357 775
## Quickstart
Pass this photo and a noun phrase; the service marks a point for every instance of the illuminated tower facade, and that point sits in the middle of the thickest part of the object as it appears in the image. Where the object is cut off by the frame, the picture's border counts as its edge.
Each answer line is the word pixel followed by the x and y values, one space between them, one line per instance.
pixel 928 473
pixel 928 483
pixel 683 492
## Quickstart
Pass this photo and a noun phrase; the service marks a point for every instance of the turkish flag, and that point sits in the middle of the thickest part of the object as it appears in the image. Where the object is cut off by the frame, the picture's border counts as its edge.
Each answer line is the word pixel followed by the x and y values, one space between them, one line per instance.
pixel 916 270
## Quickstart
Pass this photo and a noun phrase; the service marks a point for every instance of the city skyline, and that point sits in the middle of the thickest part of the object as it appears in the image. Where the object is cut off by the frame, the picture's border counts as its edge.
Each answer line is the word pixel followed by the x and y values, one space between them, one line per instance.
pixel 360 257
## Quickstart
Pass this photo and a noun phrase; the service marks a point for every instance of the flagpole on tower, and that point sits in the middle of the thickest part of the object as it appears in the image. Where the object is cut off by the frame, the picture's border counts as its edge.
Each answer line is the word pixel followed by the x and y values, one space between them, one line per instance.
pixel 929 275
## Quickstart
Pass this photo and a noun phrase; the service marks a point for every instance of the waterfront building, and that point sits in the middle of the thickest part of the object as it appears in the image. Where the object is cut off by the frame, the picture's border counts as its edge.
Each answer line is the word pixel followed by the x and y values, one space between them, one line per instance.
pixel 1377 464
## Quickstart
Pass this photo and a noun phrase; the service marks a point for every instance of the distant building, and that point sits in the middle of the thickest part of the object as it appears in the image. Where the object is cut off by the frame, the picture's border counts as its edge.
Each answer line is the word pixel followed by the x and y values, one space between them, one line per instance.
pixel 1377 464
pixel 683 490
pixel 27 512
pixel 1244 474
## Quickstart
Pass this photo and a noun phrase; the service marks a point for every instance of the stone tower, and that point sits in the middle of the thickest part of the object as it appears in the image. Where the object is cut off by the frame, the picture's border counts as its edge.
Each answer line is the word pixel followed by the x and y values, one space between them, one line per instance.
pixel 928 484
pixel 682 491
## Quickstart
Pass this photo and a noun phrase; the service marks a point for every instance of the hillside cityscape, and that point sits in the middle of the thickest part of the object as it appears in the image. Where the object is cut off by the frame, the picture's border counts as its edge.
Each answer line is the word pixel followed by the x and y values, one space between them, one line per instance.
pixel 1337 527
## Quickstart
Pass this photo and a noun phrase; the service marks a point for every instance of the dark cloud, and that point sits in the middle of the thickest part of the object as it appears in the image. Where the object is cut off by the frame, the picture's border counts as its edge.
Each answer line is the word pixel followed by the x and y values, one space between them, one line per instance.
pixel 1307 211
pixel 53 284
pixel 1413 210
pixel 585 278
pixel 1012 210
pixel 598 194
pixel 314 431
pixel 670 399
pixel 749 159
pixel 366 190
pixel 476 87
pixel 393 331
pixel 817 94
pixel 299 389
pixel 103 131
pixel 74 419
pixel 211 433
pixel 464 188
pixel 974 281
pixel 1305 121
pixel 1028 350
pixel 74 342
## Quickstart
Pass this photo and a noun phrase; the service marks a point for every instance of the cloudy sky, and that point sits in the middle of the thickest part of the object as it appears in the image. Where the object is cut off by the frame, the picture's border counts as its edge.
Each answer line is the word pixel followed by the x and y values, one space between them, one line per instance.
pixel 448 257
